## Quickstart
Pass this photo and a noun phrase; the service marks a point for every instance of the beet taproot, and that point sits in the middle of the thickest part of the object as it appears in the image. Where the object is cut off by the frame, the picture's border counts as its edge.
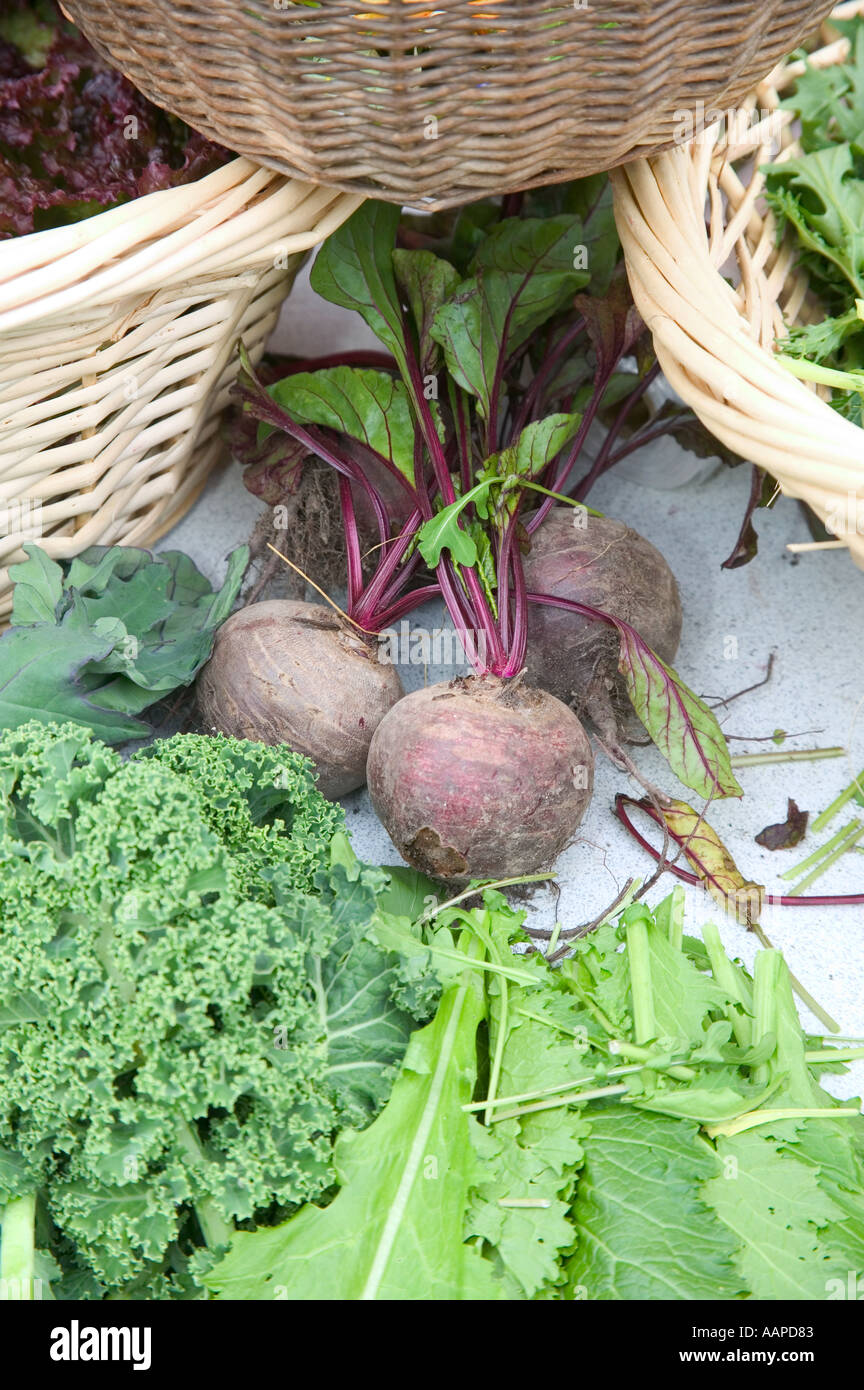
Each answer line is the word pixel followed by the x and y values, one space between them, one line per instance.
pixel 284 671
pixel 605 564
pixel 480 778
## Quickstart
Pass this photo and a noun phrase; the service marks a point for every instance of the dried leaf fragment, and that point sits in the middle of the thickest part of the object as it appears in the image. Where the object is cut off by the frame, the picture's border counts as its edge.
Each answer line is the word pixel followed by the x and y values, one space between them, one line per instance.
pixel 709 857
pixel 785 834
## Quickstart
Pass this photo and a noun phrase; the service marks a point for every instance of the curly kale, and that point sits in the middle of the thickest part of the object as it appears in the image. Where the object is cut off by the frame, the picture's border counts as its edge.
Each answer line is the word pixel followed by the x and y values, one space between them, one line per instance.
pixel 191 1007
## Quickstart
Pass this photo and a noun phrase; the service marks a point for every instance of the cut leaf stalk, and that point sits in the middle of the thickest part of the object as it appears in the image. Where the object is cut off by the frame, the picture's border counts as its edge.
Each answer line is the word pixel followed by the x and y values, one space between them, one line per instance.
pixel 851 837
pixel 855 789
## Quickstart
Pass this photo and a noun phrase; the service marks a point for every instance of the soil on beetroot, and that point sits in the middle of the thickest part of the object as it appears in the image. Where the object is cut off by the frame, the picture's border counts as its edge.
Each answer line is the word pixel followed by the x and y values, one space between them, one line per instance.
pixel 307 528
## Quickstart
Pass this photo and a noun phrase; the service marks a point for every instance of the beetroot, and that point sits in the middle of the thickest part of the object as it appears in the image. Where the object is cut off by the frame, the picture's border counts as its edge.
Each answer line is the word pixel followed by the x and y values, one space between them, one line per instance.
pixel 471 456
pixel 294 673
pixel 605 564
pixel 480 778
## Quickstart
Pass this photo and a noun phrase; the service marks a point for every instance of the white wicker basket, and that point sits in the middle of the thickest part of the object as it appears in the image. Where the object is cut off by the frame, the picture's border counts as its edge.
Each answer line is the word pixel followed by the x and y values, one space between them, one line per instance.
pixel 692 217
pixel 117 351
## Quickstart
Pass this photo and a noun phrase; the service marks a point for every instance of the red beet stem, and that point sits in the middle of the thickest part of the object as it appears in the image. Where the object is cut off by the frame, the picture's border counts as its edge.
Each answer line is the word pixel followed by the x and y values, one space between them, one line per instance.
pixel 781 900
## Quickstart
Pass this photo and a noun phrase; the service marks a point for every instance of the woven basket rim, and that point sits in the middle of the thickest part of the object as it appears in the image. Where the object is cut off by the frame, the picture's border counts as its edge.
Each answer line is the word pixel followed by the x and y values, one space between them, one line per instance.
pixel 122 212
pixel 682 216
pixel 118 348
pixel 519 97
pixel 163 238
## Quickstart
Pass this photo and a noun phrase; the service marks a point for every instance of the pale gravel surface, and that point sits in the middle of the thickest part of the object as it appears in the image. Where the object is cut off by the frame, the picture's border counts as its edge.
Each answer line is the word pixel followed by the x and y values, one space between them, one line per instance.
pixel 811 613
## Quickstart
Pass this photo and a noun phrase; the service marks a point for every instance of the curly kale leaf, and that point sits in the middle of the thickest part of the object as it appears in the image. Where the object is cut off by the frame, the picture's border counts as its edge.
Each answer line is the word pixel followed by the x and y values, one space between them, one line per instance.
pixel 260 801
pixel 190 1009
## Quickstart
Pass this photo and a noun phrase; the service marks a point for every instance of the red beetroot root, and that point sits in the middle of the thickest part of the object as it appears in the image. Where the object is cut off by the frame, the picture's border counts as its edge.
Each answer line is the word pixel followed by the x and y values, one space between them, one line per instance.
pixel 606 565
pixel 480 778
pixel 294 673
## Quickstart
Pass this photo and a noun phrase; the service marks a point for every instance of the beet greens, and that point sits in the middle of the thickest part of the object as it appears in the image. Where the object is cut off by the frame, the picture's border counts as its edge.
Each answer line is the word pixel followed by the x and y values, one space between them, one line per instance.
pixel 499 365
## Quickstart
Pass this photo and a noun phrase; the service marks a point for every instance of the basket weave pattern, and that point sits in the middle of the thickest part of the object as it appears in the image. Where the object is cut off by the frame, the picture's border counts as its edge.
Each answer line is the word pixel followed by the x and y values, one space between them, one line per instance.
pixel 693 212
pixel 437 103
pixel 118 349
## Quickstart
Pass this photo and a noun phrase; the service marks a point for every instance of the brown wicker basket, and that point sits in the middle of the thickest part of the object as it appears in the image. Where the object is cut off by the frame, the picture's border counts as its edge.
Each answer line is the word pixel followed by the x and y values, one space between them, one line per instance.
pixel 435 102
